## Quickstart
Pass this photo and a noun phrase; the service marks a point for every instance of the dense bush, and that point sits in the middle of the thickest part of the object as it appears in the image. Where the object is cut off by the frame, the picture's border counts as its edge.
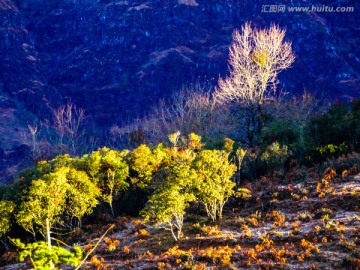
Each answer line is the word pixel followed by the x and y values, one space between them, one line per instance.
pixel 313 138
pixel 6 208
pixel 340 125
pixel 60 192
pixel 189 174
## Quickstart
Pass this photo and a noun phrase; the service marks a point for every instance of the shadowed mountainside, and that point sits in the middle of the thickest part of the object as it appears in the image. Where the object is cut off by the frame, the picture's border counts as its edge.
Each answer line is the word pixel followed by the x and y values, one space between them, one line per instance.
pixel 117 58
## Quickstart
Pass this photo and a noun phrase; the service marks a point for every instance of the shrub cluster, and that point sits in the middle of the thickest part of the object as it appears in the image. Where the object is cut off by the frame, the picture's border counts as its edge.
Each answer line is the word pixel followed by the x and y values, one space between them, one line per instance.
pixel 65 189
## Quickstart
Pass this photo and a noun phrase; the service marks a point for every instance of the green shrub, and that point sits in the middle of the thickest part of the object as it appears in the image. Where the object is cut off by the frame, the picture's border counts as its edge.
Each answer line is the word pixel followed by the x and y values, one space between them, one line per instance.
pixel 243 194
pixel 331 150
pixel 43 258
pixel 275 155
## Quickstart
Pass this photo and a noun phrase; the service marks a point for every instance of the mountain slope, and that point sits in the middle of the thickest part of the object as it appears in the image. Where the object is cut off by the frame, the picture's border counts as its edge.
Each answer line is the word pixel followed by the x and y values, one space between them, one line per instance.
pixel 116 59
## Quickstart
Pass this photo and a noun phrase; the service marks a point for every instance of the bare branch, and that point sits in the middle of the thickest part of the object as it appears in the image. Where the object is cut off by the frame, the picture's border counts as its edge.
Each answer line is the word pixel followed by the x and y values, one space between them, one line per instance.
pixel 255 59
pixel 67 123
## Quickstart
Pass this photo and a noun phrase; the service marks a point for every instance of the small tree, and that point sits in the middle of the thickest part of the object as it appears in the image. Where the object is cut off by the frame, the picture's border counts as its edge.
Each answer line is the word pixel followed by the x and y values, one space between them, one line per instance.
pixel 256 57
pixel 166 207
pixel 81 196
pixel 44 201
pixel 214 180
pixel 62 195
pixel 110 171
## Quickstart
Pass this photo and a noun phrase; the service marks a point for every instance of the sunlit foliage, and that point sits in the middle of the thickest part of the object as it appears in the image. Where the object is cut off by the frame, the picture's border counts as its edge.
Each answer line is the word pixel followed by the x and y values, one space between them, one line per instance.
pixel 214 180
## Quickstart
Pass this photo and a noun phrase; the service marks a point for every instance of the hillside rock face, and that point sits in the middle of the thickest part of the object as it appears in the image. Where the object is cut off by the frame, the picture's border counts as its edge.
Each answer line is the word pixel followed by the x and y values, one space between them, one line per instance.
pixel 117 58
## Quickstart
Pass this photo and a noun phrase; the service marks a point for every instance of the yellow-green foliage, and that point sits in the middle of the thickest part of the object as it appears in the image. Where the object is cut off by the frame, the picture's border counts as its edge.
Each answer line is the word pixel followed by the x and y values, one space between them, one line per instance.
pixel 81 195
pixel 6 209
pixel 179 181
pixel 144 162
pixel 65 189
pixel 59 196
pixel 228 145
pixel 260 58
pixel 240 153
pixel 214 186
pixel 173 195
pixel 45 199
pixel 243 194
pixel 332 150
pixel 275 155
pixel 109 171
pixel 275 151
pixel 194 141
pixel 42 258
pixel 190 143
pixel 174 138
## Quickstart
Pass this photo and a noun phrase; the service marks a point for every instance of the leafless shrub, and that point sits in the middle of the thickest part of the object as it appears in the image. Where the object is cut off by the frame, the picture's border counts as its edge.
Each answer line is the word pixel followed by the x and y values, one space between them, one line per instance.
pixel 299 109
pixel 67 123
pixel 190 110
pixel 37 136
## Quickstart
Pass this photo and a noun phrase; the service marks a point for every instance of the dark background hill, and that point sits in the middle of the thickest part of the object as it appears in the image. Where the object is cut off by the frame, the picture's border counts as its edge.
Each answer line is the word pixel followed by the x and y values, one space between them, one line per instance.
pixel 116 59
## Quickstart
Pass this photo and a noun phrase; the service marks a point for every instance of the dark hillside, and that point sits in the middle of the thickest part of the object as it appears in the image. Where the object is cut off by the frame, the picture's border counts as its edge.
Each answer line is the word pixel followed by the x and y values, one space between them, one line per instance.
pixel 116 59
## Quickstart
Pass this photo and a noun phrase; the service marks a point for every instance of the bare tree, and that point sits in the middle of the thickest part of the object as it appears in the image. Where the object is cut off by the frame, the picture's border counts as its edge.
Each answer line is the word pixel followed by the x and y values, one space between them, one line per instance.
pixel 33 129
pixel 67 123
pixel 300 110
pixel 39 138
pixel 190 110
pixel 256 57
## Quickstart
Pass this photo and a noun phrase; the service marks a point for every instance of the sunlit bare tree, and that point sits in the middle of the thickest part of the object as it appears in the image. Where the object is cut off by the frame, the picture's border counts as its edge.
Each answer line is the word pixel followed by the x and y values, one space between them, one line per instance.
pixel 256 57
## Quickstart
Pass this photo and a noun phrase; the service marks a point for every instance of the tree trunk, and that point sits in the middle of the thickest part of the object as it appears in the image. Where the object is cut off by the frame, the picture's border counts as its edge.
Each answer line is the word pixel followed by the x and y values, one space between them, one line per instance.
pixel 220 210
pixel 48 240
pixel 211 210
pixel 172 231
pixel 112 209
pixel 5 243
pixel 179 225
pixel 259 121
